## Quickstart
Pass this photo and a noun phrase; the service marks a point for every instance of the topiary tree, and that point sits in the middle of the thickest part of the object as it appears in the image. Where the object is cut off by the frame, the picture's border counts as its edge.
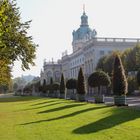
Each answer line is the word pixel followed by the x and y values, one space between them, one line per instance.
pixel 71 84
pixel 81 89
pixel 138 77
pixel 98 79
pixel 51 87
pixel 44 86
pixel 119 82
pixel 56 87
pixel 62 86
pixel 119 78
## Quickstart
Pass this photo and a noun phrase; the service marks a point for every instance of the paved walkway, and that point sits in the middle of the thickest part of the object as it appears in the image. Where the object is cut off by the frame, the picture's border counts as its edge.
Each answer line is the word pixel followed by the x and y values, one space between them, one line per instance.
pixel 131 101
pixel 9 95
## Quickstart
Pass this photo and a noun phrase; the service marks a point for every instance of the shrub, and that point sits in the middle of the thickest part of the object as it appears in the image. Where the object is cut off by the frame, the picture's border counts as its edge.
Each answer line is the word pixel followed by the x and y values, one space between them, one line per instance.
pixel 99 78
pixel 44 86
pixel 56 86
pixel 81 83
pixel 71 84
pixel 62 85
pixel 119 84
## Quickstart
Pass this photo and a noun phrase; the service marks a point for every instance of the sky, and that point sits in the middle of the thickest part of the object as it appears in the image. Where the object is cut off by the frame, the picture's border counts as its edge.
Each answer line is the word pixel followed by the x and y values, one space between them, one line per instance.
pixel 54 20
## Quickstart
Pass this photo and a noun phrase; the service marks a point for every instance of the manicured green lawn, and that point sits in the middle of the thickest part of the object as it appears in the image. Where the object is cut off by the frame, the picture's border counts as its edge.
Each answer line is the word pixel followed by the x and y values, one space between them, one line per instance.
pixel 32 118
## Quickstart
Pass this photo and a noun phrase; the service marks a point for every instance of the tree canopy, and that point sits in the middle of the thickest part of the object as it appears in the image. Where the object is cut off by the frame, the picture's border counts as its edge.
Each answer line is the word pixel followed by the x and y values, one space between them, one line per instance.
pixel 130 59
pixel 99 78
pixel 71 84
pixel 15 44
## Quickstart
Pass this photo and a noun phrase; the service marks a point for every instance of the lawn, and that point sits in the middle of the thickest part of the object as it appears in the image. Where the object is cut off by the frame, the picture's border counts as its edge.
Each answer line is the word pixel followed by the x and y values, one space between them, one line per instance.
pixel 33 118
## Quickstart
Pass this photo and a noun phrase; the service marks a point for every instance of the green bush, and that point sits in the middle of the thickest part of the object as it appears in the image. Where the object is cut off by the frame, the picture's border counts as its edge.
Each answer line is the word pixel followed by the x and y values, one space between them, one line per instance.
pixel 120 86
pixel 99 78
pixel 71 84
pixel 132 84
pixel 62 85
pixel 81 89
pixel 56 86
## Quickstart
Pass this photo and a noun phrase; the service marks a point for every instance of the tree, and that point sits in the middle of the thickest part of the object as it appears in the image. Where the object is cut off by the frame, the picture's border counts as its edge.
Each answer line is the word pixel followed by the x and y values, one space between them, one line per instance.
pixel 71 84
pixel 105 63
pixel 51 85
pixel 101 63
pixel 62 85
pixel 138 77
pixel 99 78
pixel 56 86
pixel 120 85
pixel 81 83
pixel 131 58
pixel 81 88
pixel 44 86
pixel 132 84
pixel 14 42
pixel 5 73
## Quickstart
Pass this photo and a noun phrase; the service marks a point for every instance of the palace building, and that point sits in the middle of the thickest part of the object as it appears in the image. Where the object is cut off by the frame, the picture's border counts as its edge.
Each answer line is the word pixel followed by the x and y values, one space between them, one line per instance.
pixel 87 50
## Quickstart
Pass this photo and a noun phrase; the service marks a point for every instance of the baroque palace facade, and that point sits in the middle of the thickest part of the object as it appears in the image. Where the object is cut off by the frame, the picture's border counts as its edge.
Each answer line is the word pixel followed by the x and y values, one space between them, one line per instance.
pixel 87 50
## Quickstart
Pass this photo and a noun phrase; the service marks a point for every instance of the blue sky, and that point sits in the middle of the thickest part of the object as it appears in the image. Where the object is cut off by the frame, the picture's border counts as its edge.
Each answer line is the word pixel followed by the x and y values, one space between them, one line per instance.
pixel 54 20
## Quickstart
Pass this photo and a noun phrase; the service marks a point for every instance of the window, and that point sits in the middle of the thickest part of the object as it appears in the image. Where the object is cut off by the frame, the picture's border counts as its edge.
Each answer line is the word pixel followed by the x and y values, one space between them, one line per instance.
pixel 109 52
pixel 102 52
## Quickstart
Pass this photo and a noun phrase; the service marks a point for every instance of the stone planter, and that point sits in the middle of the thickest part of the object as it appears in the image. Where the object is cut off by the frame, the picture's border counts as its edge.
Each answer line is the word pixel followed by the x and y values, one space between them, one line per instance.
pixel 81 97
pixel 120 100
pixel 99 98
pixel 73 96
pixel 68 95
pixel 51 95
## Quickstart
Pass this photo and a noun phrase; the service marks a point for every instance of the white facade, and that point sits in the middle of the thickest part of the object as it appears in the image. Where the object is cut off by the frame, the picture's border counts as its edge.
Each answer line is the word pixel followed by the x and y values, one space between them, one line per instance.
pixel 87 50
pixel 51 70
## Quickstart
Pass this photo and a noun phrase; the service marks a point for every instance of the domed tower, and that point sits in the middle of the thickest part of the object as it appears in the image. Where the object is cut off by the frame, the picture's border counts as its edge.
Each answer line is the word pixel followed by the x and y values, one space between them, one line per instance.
pixel 83 33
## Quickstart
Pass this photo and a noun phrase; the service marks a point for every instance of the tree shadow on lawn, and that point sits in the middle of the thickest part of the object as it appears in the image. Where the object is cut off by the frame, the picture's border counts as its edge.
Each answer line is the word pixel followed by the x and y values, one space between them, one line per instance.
pixel 52 100
pixel 77 113
pixel 47 105
pixel 61 108
pixel 68 115
pixel 119 116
